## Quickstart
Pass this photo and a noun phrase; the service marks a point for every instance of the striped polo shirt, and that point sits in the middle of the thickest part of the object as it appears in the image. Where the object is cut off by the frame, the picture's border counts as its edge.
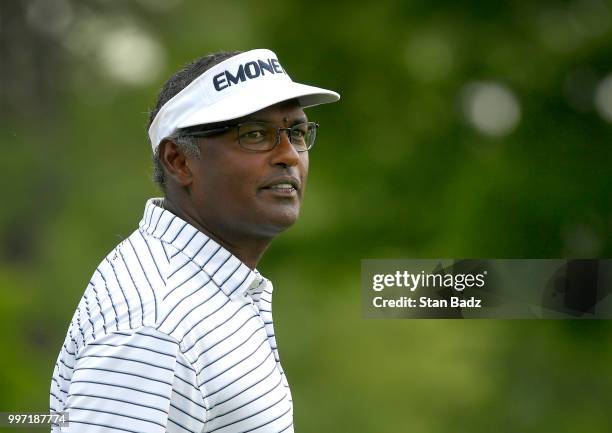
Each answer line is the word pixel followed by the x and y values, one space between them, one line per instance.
pixel 173 334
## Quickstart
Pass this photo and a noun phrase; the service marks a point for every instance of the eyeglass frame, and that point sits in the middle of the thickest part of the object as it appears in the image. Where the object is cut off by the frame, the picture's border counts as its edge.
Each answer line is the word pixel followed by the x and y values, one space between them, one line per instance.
pixel 213 131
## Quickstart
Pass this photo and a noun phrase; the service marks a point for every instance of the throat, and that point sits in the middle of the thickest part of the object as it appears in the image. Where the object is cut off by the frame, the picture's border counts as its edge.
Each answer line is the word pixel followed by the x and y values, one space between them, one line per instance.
pixel 247 249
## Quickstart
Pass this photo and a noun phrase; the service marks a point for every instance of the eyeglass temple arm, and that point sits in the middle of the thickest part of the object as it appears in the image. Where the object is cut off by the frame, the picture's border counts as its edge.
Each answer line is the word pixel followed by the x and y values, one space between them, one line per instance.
pixel 207 132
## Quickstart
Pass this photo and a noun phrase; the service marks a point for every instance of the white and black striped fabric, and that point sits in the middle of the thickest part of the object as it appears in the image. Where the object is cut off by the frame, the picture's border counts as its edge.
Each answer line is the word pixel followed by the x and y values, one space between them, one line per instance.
pixel 173 334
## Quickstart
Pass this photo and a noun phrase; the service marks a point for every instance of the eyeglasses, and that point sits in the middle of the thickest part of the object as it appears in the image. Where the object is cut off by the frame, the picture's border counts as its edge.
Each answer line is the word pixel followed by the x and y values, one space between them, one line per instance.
pixel 263 136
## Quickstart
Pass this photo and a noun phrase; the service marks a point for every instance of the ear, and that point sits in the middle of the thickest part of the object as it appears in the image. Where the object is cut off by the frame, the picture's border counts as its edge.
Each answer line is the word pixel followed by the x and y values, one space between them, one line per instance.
pixel 175 163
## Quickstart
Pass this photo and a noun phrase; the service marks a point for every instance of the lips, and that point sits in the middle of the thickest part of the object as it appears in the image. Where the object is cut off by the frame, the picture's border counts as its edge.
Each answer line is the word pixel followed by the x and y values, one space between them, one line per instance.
pixel 283 184
pixel 282 187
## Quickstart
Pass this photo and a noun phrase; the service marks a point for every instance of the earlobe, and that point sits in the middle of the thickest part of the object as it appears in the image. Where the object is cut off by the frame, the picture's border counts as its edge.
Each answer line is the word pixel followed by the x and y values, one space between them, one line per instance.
pixel 174 162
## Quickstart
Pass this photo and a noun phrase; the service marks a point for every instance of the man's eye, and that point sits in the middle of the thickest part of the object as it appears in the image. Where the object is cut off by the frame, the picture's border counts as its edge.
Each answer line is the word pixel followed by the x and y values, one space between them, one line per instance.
pixel 254 135
pixel 298 133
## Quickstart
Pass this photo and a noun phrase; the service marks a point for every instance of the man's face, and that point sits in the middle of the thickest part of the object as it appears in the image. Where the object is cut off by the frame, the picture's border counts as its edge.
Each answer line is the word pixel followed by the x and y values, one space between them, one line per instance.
pixel 233 189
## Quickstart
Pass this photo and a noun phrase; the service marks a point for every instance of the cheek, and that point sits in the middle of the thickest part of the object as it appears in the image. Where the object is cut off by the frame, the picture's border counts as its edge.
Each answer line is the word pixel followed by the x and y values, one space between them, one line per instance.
pixel 223 179
pixel 304 161
pixel 209 179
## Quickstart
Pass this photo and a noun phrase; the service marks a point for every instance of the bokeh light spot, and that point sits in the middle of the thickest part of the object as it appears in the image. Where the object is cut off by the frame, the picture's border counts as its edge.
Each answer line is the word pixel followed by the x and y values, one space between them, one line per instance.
pixel 491 108
pixel 131 56
pixel 603 98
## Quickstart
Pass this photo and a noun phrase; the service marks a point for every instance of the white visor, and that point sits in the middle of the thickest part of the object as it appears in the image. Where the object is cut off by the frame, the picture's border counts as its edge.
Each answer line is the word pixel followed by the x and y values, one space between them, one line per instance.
pixel 236 87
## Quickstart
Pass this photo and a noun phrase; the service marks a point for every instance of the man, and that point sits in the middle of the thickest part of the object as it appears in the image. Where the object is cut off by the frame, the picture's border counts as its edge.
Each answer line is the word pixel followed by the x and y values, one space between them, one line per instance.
pixel 174 332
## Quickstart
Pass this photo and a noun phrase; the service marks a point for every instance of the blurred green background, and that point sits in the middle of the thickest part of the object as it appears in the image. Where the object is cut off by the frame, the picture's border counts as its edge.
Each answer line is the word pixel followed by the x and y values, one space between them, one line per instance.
pixel 466 129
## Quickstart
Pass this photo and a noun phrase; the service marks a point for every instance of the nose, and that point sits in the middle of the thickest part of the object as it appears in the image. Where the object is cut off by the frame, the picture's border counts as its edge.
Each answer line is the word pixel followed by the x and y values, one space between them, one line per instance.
pixel 285 153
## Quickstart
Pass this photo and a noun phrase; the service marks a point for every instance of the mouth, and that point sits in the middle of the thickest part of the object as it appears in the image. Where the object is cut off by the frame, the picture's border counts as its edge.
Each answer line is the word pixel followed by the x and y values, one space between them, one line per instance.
pixel 286 186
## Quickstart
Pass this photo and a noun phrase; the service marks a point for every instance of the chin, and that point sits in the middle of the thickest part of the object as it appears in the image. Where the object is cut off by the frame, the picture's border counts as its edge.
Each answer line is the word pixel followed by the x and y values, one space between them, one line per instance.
pixel 281 220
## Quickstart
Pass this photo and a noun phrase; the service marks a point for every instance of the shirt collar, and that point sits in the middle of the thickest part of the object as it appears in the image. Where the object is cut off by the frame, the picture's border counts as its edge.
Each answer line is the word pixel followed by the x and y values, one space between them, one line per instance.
pixel 231 275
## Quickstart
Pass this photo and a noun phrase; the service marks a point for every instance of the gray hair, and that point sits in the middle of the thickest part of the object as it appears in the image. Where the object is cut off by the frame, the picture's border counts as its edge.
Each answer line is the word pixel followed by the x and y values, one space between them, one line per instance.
pixel 177 82
pixel 186 144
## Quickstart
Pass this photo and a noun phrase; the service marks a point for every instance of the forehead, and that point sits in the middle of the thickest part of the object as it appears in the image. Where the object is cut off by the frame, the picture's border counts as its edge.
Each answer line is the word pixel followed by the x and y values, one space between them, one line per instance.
pixel 283 112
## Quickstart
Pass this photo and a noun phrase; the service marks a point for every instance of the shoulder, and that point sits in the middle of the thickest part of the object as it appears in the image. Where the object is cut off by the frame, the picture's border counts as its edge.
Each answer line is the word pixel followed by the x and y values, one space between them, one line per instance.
pixel 124 292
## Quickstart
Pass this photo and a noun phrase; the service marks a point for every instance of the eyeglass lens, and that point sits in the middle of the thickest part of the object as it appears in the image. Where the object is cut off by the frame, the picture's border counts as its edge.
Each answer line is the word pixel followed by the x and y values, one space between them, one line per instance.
pixel 263 136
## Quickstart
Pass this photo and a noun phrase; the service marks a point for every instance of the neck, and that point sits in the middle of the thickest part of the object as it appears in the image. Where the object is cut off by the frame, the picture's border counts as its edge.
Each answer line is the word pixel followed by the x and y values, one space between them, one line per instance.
pixel 248 250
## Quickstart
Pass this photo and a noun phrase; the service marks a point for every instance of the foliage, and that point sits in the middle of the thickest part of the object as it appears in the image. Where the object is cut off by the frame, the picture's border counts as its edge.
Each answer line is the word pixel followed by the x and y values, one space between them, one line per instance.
pixel 400 171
